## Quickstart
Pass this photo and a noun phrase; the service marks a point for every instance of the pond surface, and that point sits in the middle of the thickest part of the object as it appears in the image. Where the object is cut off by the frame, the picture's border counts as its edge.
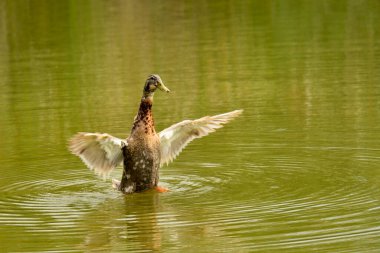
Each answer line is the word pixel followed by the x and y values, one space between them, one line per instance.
pixel 299 171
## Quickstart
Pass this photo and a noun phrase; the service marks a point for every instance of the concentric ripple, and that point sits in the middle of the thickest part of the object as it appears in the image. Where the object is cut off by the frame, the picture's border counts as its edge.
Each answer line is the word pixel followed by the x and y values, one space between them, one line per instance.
pixel 273 204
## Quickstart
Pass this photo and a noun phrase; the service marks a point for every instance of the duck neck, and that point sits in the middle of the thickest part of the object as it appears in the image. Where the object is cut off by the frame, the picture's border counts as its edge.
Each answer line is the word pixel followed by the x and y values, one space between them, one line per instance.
pixel 144 122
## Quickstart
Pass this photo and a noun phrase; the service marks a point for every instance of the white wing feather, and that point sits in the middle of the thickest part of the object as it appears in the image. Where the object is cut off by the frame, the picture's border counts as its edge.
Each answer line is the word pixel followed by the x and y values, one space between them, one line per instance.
pixel 176 137
pixel 100 152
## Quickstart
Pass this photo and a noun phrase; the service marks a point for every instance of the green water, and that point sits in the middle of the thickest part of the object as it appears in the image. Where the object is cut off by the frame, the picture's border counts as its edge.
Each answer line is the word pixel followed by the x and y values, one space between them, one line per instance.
pixel 299 171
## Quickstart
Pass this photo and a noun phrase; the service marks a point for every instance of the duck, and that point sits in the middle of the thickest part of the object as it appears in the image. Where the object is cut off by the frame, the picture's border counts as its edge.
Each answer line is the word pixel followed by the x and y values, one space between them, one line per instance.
pixel 144 151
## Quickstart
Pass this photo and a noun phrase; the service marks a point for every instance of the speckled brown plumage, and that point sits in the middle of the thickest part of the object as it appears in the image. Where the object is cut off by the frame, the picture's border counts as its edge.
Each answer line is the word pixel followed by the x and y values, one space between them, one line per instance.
pixel 142 152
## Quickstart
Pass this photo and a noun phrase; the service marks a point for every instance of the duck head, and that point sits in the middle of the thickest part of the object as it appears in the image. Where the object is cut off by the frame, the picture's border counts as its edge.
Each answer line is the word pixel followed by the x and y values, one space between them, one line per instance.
pixel 152 83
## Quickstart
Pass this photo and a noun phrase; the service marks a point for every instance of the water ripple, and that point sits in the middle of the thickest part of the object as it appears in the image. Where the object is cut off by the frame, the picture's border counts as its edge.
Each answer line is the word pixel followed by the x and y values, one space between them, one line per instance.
pixel 262 210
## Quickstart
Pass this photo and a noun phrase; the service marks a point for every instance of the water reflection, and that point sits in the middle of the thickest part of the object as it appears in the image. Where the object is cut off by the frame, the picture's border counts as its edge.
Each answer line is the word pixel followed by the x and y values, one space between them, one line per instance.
pixel 131 219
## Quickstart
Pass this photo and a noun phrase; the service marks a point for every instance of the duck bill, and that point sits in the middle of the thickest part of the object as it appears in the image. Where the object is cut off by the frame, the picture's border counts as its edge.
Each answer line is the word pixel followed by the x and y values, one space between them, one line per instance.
pixel 162 87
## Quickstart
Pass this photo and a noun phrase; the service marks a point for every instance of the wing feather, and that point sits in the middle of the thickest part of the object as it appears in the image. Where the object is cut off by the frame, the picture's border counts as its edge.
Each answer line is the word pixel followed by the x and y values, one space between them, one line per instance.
pixel 100 152
pixel 176 137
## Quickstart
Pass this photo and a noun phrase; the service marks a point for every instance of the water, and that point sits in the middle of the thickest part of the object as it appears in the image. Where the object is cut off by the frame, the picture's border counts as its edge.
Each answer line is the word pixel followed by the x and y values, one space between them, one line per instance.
pixel 297 172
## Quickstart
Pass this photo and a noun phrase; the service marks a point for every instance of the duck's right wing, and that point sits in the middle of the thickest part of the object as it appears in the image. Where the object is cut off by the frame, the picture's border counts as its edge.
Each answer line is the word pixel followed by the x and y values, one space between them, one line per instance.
pixel 100 152
pixel 176 137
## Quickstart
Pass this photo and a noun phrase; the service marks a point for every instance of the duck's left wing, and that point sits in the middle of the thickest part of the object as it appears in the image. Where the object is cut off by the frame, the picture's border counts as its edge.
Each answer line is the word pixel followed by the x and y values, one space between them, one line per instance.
pixel 100 152
pixel 176 137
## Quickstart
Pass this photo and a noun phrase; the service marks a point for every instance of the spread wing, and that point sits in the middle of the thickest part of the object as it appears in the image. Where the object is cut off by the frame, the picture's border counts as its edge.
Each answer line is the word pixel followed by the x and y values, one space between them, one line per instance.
pixel 176 137
pixel 100 152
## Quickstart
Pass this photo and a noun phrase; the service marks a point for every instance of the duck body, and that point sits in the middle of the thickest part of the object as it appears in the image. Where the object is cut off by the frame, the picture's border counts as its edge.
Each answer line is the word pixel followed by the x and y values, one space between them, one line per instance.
pixel 145 151
pixel 142 153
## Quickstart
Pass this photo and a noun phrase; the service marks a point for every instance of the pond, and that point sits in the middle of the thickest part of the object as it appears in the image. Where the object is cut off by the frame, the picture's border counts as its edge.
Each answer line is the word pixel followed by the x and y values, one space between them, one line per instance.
pixel 298 171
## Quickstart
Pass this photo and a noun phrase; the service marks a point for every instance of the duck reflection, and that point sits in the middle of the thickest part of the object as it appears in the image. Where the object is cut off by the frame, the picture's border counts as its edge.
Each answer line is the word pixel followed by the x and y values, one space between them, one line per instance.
pixel 124 223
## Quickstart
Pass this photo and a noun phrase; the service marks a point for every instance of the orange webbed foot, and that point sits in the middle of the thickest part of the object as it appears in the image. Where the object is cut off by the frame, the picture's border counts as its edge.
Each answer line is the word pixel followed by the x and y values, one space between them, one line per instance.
pixel 161 189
